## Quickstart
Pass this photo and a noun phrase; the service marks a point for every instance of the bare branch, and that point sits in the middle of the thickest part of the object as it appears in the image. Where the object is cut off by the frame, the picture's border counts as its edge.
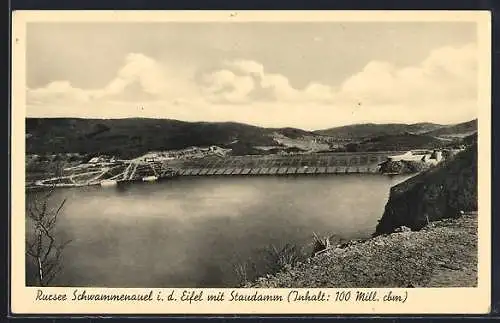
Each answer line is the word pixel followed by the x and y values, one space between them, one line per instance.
pixel 49 267
pixel 53 275
pixel 49 249
pixel 47 233
pixel 54 218
pixel 31 253
pixel 45 249
pixel 64 244
pixel 44 210
pixel 50 192
pixel 33 213
pixel 31 247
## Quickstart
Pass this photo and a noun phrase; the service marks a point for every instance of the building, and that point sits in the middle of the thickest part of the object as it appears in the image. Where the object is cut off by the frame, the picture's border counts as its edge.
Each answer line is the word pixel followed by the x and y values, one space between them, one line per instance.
pixel 408 156
pixel 101 159
pixel 435 158
pixel 428 157
pixel 186 153
pixel 218 150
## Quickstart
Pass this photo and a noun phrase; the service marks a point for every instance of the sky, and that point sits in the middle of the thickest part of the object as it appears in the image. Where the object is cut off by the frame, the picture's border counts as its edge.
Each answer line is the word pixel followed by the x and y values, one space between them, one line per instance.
pixel 310 75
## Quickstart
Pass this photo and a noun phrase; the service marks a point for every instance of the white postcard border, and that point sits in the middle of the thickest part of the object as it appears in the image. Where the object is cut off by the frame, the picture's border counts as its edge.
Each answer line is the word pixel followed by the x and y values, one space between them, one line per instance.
pixel 419 300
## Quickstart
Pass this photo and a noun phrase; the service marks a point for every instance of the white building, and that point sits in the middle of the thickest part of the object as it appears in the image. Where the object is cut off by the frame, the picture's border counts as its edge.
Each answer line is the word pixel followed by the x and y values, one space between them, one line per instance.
pixel 432 158
pixel 408 156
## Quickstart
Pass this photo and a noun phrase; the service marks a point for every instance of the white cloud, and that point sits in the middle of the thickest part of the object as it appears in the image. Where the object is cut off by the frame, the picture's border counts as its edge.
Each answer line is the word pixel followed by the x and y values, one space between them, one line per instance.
pixel 57 91
pixel 225 86
pixel 441 88
pixel 276 84
pixel 152 78
pixel 247 66
pixel 151 75
pixel 447 74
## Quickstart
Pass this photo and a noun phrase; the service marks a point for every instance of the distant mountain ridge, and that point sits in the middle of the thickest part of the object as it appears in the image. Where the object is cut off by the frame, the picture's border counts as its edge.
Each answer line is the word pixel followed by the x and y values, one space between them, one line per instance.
pixel 367 130
pixel 400 142
pixel 460 129
pixel 134 136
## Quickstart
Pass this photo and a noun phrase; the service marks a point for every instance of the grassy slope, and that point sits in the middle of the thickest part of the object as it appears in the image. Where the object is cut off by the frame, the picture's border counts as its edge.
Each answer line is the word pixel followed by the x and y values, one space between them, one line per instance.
pixel 460 128
pixel 442 254
pixel 400 142
pixel 370 130
pixel 129 137
pixel 360 131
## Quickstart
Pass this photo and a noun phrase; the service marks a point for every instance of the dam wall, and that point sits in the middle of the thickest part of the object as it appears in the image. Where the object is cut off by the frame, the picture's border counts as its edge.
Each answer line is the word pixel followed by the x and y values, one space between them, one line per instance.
pixel 305 164
pixel 280 172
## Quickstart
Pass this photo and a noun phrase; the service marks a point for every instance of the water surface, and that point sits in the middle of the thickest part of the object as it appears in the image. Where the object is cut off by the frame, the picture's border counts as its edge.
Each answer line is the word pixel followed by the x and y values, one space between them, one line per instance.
pixel 190 232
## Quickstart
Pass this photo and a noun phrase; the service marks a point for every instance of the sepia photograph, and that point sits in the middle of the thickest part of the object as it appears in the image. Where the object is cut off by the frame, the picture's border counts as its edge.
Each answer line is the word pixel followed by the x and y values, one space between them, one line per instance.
pixel 251 154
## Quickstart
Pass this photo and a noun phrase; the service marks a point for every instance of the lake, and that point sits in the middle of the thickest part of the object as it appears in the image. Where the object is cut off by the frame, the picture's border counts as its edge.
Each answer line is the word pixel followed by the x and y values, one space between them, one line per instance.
pixel 193 232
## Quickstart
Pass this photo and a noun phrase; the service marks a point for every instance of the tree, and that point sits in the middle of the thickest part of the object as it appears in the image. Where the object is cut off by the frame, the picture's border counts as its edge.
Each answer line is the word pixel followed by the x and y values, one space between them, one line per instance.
pixel 42 245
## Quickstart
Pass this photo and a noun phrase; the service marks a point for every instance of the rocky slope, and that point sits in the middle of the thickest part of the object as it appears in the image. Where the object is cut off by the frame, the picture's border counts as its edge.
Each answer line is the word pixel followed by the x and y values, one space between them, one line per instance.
pixel 444 253
pixel 437 193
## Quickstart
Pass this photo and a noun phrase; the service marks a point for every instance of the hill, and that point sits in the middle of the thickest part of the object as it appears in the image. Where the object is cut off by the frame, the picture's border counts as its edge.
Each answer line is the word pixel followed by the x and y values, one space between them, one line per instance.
pixel 398 142
pixel 367 130
pixel 130 137
pixel 458 130
pixel 293 133
pixel 470 140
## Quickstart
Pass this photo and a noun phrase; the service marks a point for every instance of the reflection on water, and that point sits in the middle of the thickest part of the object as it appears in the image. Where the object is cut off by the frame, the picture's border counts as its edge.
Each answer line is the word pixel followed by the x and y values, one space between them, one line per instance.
pixel 189 232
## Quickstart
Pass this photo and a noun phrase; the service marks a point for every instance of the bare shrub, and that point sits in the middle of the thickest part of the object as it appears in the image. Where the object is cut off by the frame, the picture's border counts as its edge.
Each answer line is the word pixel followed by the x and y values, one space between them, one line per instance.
pixel 279 259
pixel 42 246
pixel 270 261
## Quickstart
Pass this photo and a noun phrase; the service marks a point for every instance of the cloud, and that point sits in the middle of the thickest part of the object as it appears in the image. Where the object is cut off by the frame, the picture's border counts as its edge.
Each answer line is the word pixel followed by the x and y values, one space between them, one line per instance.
pixel 140 76
pixel 272 86
pixel 152 76
pixel 224 86
pixel 441 88
pixel 247 66
pixel 447 74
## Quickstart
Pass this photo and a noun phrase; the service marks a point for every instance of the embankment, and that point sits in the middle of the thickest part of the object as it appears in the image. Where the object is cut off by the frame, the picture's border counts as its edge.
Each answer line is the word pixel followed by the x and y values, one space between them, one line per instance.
pixel 441 192
pixel 443 254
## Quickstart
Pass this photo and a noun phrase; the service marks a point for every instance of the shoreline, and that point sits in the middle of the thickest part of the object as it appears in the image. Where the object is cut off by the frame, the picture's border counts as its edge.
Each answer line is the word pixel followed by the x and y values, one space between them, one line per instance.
pixel 442 254
pixel 220 175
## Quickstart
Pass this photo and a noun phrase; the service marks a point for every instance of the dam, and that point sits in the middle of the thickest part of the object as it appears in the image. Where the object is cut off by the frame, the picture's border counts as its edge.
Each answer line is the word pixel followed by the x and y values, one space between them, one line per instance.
pixel 279 165
pixel 249 165
pixel 281 171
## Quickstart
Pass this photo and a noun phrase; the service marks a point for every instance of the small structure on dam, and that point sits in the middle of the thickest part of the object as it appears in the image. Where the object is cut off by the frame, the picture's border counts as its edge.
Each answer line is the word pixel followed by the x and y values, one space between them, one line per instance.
pixel 411 161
